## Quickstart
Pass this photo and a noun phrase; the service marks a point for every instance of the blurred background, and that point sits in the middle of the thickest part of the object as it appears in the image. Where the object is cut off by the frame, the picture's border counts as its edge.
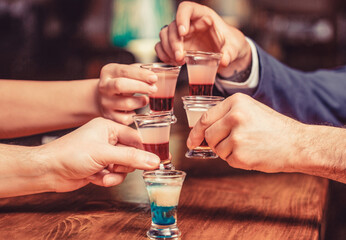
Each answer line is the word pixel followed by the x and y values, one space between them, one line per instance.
pixel 73 39
pixel 62 39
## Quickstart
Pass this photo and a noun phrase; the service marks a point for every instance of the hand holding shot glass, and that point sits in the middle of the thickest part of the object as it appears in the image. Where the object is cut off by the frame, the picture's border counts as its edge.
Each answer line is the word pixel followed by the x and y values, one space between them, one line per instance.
pixel 195 106
pixel 201 69
pixel 154 131
pixel 163 187
pixel 163 99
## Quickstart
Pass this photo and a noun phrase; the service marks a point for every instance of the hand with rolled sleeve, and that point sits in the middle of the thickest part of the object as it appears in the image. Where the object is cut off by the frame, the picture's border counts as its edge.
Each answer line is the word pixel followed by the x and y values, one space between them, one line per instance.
pixel 100 152
pixel 316 97
pixel 117 86
pixel 249 135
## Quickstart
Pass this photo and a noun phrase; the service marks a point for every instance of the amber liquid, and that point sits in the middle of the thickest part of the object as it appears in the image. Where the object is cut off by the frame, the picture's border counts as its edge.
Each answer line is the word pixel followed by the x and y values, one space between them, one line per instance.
pixel 201 89
pixel 161 104
pixel 160 149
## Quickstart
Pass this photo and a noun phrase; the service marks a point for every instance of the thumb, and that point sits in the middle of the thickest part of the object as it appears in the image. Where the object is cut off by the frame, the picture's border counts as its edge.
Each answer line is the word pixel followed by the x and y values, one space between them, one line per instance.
pixel 226 57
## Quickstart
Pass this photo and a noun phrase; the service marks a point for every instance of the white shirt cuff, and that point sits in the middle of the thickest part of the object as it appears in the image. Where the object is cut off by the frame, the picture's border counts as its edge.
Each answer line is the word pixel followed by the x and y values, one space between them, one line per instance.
pixel 229 87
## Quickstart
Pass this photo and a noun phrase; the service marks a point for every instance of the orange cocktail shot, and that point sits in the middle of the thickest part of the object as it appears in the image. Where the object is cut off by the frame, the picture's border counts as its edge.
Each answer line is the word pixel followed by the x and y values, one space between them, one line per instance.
pixel 195 106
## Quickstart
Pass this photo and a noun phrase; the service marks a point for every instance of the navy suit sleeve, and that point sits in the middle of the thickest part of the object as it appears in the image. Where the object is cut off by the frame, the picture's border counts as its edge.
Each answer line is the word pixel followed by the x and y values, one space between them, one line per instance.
pixel 311 97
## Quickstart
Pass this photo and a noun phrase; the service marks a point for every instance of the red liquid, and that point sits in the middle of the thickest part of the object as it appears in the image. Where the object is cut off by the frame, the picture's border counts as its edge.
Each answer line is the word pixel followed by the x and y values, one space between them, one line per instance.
pixel 161 104
pixel 160 149
pixel 201 89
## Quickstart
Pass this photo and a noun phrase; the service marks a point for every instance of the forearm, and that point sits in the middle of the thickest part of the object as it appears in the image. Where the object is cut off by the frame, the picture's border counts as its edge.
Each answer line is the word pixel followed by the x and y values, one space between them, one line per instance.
pixel 30 107
pixel 322 152
pixel 22 172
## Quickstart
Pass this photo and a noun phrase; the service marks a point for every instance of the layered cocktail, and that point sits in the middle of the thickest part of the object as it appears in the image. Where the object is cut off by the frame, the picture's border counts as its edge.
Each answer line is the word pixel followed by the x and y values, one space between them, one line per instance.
pixel 154 130
pixel 201 69
pixel 164 188
pixel 195 106
pixel 163 99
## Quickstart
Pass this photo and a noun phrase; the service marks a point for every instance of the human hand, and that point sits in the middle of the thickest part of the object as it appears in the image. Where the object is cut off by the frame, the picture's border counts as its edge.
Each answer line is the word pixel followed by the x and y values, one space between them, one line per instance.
pixel 100 152
pixel 250 135
pixel 198 27
pixel 117 86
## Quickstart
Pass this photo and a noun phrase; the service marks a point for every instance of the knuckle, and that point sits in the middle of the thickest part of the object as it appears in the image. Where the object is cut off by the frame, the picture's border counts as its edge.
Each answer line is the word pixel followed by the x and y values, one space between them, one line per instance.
pixel 105 68
pixel 205 119
pixel 237 117
pixel 123 71
pixel 239 97
pixel 117 85
pixel 235 141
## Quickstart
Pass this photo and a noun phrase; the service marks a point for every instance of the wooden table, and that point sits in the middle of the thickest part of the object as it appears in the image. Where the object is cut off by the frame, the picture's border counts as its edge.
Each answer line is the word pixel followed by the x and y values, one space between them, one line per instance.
pixel 217 202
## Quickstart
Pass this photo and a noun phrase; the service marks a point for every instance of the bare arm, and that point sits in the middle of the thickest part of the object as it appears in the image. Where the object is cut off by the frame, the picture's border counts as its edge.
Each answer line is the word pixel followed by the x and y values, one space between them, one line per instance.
pixel 30 107
pixel 324 152
pixel 100 152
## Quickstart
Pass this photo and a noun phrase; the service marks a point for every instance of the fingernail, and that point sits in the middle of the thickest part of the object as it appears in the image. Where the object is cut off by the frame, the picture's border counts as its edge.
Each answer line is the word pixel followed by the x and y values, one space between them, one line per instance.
pixel 152 161
pixel 153 78
pixel 182 30
pixel 152 88
pixel 189 143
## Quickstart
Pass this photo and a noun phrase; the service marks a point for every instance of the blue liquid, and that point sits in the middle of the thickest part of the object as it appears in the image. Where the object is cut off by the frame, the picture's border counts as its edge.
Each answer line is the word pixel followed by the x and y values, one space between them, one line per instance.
pixel 163 215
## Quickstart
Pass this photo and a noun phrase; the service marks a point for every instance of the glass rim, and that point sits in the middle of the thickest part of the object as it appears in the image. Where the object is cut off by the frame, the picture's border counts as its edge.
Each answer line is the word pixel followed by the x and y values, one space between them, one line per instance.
pixel 202 54
pixel 202 98
pixel 160 66
pixel 153 117
pixel 164 174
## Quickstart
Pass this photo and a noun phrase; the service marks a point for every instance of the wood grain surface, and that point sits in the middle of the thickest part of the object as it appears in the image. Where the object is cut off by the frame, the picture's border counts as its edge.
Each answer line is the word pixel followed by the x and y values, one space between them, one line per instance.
pixel 239 206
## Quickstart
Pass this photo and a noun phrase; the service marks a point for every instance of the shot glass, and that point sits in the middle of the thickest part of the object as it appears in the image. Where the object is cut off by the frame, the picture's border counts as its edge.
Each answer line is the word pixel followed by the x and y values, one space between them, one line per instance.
pixel 163 99
pixel 201 69
pixel 195 106
pixel 164 188
pixel 154 131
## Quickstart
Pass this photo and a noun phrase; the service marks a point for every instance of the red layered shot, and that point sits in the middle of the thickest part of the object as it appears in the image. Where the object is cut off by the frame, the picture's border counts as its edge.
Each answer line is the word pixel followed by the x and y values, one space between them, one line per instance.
pixel 163 99
pixel 155 139
pixel 161 103
pixel 201 89
pixel 201 79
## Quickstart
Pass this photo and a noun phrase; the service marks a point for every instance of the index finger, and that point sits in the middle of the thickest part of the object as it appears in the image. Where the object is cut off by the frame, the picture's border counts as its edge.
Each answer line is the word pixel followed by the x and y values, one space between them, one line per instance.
pixel 126 156
pixel 187 12
pixel 130 71
pixel 215 113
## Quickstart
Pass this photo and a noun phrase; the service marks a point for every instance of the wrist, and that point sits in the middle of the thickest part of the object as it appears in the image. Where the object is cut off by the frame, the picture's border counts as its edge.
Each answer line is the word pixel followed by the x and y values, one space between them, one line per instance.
pixel 23 172
pixel 87 106
pixel 241 65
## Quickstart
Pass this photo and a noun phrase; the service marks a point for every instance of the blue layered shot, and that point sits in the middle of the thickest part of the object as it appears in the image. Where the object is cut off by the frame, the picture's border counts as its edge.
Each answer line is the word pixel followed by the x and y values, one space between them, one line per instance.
pixel 163 202
pixel 163 215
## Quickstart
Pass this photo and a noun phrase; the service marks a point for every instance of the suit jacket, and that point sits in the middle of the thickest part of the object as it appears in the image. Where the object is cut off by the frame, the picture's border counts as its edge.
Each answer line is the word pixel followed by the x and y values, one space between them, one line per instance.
pixel 311 97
